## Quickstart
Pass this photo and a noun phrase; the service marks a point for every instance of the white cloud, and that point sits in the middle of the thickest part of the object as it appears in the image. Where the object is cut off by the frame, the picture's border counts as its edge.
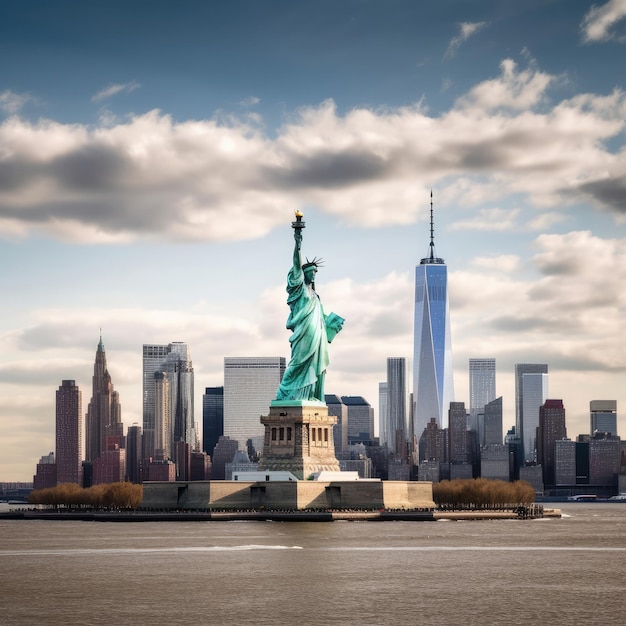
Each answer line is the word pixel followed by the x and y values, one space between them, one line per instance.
pixel 506 263
pixel 11 102
pixel 546 220
pixel 514 89
pixel 490 219
pixel 220 180
pixel 600 21
pixel 466 30
pixel 250 101
pixel 114 89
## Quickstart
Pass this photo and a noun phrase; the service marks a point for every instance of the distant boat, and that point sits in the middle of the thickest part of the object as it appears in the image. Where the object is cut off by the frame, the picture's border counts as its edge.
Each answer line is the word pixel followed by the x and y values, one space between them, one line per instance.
pixel 620 498
pixel 586 497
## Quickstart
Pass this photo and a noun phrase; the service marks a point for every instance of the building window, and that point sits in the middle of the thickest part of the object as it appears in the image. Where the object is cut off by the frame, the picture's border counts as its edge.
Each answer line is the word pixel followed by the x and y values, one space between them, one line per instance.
pixel 281 433
pixel 312 434
pixel 273 434
pixel 326 435
pixel 288 433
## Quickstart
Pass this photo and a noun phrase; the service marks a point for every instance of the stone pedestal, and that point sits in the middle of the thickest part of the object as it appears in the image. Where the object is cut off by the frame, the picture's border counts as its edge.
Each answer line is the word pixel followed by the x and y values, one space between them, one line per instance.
pixel 299 439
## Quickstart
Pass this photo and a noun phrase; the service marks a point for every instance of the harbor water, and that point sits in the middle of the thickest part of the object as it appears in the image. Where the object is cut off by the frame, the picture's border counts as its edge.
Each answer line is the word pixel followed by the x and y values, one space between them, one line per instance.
pixel 570 570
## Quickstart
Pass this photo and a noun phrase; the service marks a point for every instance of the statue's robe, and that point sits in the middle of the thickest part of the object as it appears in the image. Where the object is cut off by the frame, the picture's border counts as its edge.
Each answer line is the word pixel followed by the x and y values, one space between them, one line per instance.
pixel 304 376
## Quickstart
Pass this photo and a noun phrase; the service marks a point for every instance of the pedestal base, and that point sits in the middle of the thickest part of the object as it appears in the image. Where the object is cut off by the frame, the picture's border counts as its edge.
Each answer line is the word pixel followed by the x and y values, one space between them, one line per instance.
pixel 299 439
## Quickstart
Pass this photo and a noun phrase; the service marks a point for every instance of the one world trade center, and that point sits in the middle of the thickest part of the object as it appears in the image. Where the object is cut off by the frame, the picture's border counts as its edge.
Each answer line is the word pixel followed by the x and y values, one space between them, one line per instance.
pixel 433 384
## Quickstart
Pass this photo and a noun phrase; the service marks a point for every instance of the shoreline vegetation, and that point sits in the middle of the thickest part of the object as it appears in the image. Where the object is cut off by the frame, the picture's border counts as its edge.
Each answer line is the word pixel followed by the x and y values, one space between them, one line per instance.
pixel 459 499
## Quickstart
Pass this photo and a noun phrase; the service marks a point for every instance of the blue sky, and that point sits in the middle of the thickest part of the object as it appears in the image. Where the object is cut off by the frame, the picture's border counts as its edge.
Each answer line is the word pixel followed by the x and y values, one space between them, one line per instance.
pixel 152 155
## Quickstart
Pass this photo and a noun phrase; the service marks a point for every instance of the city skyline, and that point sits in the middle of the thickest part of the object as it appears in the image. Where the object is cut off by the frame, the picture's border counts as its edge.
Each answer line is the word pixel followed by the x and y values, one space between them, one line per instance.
pixel 148 187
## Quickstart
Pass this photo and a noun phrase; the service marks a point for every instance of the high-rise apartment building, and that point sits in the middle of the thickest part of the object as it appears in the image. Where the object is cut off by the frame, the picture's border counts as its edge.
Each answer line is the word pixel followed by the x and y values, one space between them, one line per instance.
pixel 565 462
pixel 212 417
pixel 433 384
pixel 104 413
pixel 482 390
pixel 153 358
pixel 396 405
pixel 168 409
pixel 163 431
pixel 46 473
pixel 603 416
pixel 250 385
pixel 432 444
pixel 457 433
pixel 520 370
pixel 179 370
pixel 69 441
pixel 604 460
pixel 551 429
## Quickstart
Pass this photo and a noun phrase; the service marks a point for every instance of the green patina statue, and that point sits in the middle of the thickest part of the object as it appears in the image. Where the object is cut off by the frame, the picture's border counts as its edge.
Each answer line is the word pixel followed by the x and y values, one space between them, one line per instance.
pixel 312 330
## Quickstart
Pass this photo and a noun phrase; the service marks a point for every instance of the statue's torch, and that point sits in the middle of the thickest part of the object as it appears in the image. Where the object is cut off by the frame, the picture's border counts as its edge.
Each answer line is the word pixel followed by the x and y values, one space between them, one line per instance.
pixel 298 224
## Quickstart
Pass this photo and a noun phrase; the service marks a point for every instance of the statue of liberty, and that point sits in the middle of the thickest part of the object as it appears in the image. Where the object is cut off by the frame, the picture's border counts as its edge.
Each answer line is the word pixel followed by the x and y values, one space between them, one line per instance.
pixel 312 330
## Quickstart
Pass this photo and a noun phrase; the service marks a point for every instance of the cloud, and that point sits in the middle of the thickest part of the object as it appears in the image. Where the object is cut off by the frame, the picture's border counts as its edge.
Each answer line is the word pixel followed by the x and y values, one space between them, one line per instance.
pixel 466 30
pixel 250 101
pixel 11 102
pixel 150 177
pixel 114 89
pixel 507 263
pixel 514 89
pixel 490 220
pixel 572 308
pixel 599 23
pixel 546 220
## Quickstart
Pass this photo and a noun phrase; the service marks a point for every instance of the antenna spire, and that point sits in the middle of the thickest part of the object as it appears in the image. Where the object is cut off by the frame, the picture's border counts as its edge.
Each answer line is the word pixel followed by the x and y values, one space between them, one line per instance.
pixel 432 256
pixel 432 229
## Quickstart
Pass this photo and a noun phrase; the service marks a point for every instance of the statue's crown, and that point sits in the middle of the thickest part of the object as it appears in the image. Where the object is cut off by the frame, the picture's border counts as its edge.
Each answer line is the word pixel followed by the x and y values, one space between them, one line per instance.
pixel 317 262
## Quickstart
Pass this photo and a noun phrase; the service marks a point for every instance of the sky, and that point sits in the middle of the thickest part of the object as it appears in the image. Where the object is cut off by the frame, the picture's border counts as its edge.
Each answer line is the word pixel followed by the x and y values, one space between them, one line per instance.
pixel 152 155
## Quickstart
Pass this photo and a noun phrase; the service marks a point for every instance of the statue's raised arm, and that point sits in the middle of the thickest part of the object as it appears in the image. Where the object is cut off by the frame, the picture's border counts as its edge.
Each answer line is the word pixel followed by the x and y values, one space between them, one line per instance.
pixel 312 330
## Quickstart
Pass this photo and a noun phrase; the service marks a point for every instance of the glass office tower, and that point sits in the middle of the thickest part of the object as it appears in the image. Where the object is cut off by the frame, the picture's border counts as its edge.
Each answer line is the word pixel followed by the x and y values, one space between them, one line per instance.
pixel 433 384
pixel 482 388
pixel 250 385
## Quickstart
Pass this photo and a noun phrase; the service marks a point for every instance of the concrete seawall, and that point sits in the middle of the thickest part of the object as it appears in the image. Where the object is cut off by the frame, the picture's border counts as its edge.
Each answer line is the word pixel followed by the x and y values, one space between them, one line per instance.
pixel 273 516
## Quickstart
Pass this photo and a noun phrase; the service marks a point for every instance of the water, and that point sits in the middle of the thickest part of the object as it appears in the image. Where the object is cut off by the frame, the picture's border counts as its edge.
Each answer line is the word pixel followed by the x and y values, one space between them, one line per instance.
pixel 564 571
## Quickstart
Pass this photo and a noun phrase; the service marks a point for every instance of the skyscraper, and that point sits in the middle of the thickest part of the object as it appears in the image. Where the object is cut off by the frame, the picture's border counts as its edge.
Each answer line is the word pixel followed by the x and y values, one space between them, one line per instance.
pixel 603 416
pixel 153 358
pixel 551 429
pixel 133 454
pixel 360 419
pixel 179 370
pixel 69 442
pixel 212 417
pixel 396 405
pixel 339 410
pixel 520 370
pixel 250 384
pixel 433 384
pixel 384 427
pixel 457 433
pixel 104 413
pixel 167 369
pixel 482 388
pixel 534 394
pixel 491 432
